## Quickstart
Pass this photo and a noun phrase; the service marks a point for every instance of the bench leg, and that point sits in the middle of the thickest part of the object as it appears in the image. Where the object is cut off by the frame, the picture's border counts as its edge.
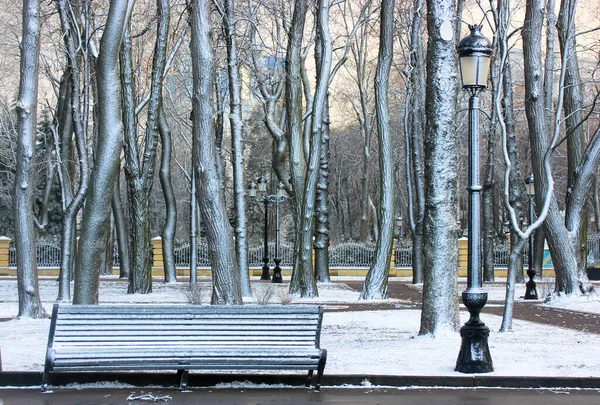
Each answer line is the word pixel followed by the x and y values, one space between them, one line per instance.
pixel 309 378
pixel 182 378
pixel 322 362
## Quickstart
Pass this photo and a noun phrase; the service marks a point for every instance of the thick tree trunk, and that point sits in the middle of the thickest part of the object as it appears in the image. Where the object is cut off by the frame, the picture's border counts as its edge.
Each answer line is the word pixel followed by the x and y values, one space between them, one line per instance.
pixel 96 214
pixel 168 232
pixel 30 305
pixel 235 108
pixel 575 130
pixel 375 286
pixel 303 280
pixel 563 255
pixel 440 307
pixel 209 190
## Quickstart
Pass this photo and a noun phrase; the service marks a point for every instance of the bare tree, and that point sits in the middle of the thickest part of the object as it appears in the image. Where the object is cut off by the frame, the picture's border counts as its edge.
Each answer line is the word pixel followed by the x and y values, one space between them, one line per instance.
pixel 414 130
pixel 375 286
pixel 235 108
pixel 303 281
pixel 30 305
pixel 96 214
pixel 73 120
pixel 225 274
pixel 440 307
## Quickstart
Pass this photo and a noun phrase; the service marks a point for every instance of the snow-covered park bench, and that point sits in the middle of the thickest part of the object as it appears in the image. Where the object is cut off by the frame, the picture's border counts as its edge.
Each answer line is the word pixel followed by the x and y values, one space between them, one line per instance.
pixel 183 338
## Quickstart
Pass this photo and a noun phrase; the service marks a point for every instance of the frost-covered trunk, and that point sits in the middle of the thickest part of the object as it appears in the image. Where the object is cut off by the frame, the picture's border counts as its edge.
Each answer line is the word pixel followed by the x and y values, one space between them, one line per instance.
pixel 375 286
pixel 140 158
pixel 515 265
pixel 574 126
pixel 235 108
pixel 563 254
pixel 70 29
pixel 303 280
pixel 515 178
pixel 168 232
pixel 30 305
pixel 440 306
pixel 416 130
pixel 321 241
pixel 209 188
pixel 96 214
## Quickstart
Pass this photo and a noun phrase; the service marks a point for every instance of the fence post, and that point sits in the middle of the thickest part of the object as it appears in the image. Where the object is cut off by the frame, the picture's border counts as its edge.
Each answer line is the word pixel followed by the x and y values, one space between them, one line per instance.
pixel 157 252
pixel 4 244
pixel 463 254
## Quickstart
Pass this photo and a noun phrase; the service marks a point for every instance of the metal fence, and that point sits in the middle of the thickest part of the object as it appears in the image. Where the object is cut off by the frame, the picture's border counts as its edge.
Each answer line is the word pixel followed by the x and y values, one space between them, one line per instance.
pixel 347 254
pixel 593 246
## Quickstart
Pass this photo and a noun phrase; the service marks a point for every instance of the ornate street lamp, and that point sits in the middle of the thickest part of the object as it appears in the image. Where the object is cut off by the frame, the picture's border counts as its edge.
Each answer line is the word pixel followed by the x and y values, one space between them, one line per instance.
pixel 399 223
pixel 268 200
pixel 530 292
pixel 475 53
pixel 252 188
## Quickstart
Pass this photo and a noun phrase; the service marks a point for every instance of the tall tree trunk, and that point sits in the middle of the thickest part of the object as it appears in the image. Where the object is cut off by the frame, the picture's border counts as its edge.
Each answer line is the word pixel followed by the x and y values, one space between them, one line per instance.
pixel 563 256
pixel 515 178
pixel 96 214
pixel 70 28
pixel 30 305
pixel 140 161
pixel 235 108
pixel 375 286
pixel 294 133
pixel 209 190
pixel 321 240
pixel 303 280
pixel 573 112
pixel 440 307
pixel 416 209
pixel 168 232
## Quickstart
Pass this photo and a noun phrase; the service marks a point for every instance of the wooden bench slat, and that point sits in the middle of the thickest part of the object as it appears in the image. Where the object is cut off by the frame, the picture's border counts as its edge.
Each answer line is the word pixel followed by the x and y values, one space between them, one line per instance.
pixel 183 337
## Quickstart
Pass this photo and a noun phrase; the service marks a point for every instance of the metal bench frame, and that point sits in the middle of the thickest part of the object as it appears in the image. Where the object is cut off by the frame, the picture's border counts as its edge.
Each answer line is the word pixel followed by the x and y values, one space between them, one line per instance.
pixel 183 338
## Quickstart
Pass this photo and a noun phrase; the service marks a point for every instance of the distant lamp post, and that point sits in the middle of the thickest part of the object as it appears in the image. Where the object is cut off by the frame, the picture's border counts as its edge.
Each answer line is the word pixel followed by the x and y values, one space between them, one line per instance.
pixel 530 292
pixel 475 53
pixel 267 200
pixel 399 223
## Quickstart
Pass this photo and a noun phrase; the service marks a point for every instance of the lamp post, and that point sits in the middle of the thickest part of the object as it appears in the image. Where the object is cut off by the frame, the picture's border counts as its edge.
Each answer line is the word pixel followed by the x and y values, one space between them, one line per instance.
pixel 475 52
pixel 268 200
pixel 399 223
pixel 530 292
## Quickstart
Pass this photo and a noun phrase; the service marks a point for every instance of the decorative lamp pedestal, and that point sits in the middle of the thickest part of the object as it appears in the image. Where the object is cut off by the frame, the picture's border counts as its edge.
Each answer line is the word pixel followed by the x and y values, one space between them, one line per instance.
pixel 531 291
pixel 277 271
pixel 265 269
pixel 474 356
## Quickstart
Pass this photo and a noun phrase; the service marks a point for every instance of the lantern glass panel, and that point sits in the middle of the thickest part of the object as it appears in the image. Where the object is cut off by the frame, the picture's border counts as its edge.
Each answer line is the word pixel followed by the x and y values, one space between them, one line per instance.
pixel 474 70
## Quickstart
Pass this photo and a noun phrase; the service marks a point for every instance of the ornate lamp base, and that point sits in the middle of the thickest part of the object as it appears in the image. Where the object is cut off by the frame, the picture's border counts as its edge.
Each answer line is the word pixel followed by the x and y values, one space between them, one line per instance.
pixel 277 271
pixel 474 355
pixel 531 292
pixel 265 270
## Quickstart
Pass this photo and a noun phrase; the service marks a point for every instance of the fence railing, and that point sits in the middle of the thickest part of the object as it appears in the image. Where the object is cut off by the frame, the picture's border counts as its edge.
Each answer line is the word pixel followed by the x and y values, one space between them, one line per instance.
pixel 344 255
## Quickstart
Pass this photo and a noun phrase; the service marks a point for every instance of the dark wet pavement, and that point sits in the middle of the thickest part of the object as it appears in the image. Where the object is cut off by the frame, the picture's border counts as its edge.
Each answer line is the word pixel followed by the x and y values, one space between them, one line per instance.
pixel 345 396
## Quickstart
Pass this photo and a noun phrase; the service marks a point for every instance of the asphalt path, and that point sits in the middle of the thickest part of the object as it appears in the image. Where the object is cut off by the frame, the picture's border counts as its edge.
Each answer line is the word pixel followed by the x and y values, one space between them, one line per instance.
pixel 528 311
pixel 341 396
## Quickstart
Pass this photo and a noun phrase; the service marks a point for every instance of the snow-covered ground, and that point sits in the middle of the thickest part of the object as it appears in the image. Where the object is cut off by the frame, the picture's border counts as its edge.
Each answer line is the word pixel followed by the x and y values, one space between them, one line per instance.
pixel 382 342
